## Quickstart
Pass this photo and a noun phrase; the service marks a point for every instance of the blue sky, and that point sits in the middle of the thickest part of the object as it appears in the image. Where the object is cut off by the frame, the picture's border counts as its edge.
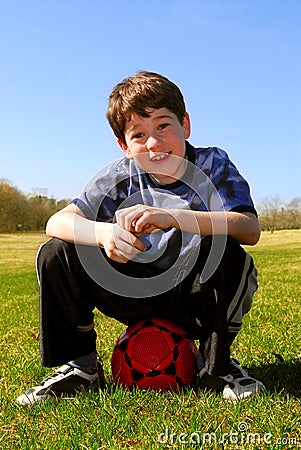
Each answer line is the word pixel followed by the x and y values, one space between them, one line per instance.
pixel 237 62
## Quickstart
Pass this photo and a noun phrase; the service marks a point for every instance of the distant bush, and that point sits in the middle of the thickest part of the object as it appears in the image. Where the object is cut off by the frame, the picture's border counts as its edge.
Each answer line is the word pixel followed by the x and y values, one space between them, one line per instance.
pixel 274 215
pixel 19 212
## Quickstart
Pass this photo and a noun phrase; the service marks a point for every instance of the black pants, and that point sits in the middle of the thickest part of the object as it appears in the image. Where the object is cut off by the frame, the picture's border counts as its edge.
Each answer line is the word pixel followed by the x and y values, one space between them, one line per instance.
pixel 211 311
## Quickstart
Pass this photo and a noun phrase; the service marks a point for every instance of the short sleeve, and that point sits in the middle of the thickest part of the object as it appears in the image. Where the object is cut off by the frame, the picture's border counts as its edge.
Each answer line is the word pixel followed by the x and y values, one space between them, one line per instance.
pixel 231 189
pixel 103 194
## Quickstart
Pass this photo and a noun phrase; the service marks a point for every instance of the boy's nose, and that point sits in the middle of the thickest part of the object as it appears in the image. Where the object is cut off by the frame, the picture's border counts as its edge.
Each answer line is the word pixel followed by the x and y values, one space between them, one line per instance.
pixel 154 142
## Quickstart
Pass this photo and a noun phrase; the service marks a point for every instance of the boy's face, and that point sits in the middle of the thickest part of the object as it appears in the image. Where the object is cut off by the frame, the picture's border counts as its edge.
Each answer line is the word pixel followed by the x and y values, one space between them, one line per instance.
pixel 157 143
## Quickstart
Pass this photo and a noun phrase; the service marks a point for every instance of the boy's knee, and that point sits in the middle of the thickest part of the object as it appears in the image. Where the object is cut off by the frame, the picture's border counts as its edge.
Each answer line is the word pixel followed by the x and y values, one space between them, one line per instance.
pixel 221 251
pixel 53 246
pixel 50 250
pixel 232 245
pixel 220 242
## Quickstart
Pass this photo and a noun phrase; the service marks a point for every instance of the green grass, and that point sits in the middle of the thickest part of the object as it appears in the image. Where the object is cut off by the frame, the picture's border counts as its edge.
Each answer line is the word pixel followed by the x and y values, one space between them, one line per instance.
pixel 269 345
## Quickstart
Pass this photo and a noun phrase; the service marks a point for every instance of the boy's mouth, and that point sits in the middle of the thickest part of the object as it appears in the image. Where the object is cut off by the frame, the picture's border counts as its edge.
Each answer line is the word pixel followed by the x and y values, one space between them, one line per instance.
pixel 160 157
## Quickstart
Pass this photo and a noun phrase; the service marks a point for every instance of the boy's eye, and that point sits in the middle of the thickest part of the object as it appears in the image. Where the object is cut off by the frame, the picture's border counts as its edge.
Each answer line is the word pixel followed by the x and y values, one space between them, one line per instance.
pixel 138 135
pixel 163 125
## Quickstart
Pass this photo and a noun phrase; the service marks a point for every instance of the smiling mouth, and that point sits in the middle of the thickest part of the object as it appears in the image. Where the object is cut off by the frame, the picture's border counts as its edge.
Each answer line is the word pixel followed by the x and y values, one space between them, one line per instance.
pixel 160 157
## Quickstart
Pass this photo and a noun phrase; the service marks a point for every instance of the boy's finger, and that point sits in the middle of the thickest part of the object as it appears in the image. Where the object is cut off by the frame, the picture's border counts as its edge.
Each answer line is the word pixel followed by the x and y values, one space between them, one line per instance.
pixel 138 244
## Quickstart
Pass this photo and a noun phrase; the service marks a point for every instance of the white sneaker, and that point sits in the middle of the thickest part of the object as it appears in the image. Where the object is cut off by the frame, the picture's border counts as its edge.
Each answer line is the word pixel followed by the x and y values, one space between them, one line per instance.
pixel 65 380
pixel 240 385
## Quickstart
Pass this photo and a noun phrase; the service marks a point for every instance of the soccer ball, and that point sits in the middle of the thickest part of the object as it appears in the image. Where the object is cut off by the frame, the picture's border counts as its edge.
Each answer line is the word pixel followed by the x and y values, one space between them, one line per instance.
pixel 154 354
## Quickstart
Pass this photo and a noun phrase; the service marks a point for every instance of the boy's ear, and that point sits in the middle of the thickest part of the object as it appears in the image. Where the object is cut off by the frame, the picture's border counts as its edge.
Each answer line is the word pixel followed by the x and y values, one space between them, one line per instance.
pixel 186 125
pixel 124 148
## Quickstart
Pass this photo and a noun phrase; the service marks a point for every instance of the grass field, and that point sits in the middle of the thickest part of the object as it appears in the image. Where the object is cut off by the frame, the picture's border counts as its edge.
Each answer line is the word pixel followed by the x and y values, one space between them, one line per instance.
pixel 269 345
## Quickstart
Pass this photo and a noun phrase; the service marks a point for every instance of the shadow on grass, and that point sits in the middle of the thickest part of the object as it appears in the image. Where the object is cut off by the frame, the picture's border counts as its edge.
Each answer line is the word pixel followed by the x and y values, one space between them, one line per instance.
pixel 281 376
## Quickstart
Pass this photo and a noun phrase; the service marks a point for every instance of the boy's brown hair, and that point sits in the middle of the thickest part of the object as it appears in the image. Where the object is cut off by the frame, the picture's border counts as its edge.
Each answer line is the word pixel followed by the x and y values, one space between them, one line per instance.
pixel 137 93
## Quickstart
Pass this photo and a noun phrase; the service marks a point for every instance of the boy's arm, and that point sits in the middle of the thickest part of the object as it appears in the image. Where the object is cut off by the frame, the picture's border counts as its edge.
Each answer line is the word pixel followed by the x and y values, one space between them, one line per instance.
pixel 69 224
pixel 243 227
pixel 139 219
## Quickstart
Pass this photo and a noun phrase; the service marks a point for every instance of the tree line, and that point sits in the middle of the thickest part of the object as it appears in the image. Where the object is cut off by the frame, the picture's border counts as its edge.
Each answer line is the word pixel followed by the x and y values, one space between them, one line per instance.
pixel 20 212
pixel 276 215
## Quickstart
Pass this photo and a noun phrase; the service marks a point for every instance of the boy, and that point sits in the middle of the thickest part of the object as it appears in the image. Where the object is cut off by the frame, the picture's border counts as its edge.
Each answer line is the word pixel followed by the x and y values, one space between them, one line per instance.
pixel 155 234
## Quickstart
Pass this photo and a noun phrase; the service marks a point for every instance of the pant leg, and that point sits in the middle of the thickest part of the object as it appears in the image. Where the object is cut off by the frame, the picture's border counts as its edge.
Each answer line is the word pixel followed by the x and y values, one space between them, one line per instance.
pixel 220 303
pixel 66 309
pixel 68 296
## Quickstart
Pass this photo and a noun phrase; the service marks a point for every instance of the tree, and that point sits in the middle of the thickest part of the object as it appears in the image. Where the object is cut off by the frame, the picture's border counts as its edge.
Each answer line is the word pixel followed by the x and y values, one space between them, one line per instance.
pixel 274 215
pixel 269 212
pixel 294 213
pixel 13 208
pixel 23 213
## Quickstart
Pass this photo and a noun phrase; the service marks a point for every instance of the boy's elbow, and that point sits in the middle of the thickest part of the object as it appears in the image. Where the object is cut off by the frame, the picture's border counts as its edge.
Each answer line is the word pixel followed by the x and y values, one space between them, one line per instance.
pixel 253 235
pixel 250 230
pixel 253 238
pixel 54 225
pixel 49 230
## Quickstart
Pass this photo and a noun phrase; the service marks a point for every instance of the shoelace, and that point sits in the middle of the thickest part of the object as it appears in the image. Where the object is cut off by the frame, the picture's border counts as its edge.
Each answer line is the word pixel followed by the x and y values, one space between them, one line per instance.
pixel 236 372
pixel 54 375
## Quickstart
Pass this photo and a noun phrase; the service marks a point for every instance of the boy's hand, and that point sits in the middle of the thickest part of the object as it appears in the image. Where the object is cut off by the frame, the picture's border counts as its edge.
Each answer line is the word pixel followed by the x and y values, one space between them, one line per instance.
pixel 119 244
pixel 142 219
